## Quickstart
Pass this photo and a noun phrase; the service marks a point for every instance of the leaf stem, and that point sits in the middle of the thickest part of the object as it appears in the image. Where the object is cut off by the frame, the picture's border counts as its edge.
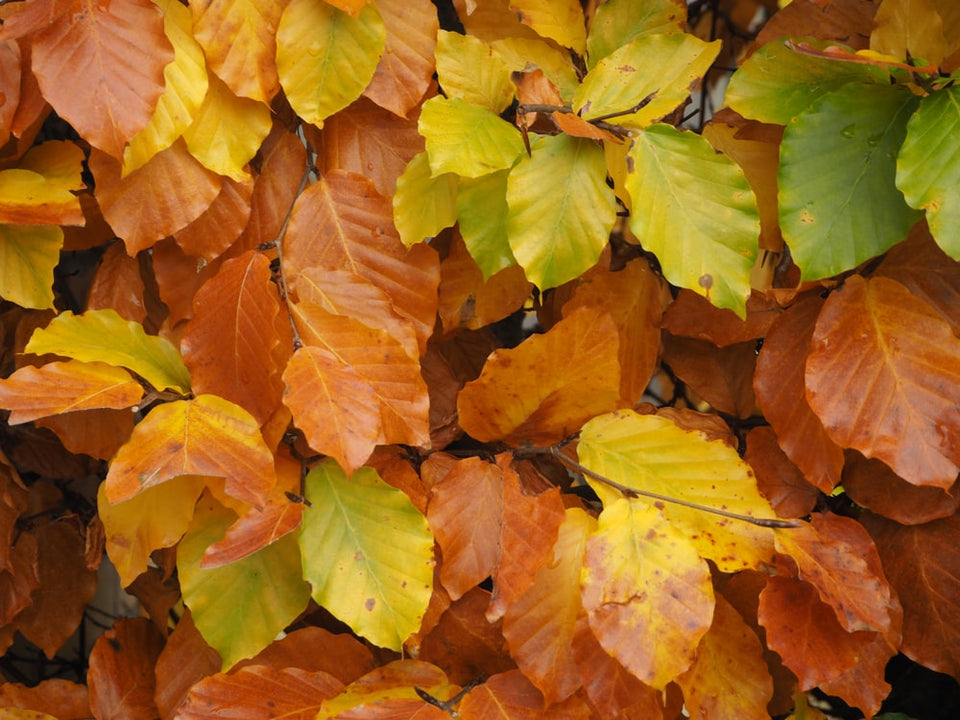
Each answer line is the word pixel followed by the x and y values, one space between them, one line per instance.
pixel 634 492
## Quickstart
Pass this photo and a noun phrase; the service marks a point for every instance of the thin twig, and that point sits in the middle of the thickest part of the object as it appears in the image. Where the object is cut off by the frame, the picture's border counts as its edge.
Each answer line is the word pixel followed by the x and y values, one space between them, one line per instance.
pixel 634 492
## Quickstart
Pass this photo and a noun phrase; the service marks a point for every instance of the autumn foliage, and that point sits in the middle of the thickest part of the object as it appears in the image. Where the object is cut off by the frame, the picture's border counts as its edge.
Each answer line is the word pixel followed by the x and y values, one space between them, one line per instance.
pixel 414 359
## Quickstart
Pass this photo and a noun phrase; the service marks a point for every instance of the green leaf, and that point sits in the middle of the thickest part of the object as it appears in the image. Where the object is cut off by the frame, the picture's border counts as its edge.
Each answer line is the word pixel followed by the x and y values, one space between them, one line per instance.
pixel 367 552
pixel 652 454
pixel 28 255
pixel 325 57
pixel 839 204
pixel 561 209
pixel 467 139
pixel 657 69
pixel 468 69
pixel 482 215
pixel 423 205
pixel 928 166
pixel 104 336
pixel 242 607
pixel 695 211
pixel 617 22
pixel 776 84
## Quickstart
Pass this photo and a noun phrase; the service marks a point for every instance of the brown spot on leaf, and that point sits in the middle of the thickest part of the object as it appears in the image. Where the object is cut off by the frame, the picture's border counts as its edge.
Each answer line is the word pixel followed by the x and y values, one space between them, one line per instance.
pixel 370 603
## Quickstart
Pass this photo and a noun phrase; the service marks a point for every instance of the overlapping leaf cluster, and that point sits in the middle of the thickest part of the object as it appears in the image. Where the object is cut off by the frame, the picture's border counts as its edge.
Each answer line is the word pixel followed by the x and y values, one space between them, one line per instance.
pixel 316 223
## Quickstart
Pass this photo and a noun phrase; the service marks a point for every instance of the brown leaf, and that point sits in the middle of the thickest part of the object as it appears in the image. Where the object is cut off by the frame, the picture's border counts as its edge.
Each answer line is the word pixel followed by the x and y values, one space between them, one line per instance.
pixel 184 661
pixel 864 685
pixel 407 65
pixel 465 515
pixel 19 579
pixel 63 699
pixel 721 376
pixel 118 284
pixel 178 277
pixel 883 375
pixel 366 139
pixel 110 86
pixel 692 315
pixel 98 433
pixel 778 479
pixel 805 632
pixel 172 190
pixel 873 485
pixel 314 649
pixel 524 396
pixel 228 344
pixel 121 675
pixel 343 223
pixel 923 565
pixel 527 535
pixel 851 20
pixel 260 693
pixel 781 393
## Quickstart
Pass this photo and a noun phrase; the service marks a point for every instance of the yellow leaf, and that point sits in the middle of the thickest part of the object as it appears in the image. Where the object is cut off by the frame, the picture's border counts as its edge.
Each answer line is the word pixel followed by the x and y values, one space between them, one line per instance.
pixel 203 436
pixel 423 205
pixel 468 69
pixel 647 592
pixel 186 86
pixel 227 130
pixel 560 20
pixel 60 387
pixel 28 255
pixel 41 190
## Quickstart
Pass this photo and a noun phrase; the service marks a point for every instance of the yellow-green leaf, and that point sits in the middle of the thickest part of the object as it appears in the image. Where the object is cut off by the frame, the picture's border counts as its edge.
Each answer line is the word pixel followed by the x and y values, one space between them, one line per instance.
pixel 616 22
pixel 242 607
pixel 657 71
pixel 227 130
pixel 204 436
pixel 423 204
pixel 651 453
pixel 58 387
pixel 104 336
pixel 482 215
pixel 184 91
pixel 28 255
pixel 467 139
pixel 325 57
pixel 367 552
pixel 647 592
pixel 561 209
pixel 468 69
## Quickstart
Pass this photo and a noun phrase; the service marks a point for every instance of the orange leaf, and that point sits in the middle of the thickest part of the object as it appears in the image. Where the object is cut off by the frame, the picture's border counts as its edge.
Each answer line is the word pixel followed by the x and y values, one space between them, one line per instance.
pixel 721 376
pixel 781 392
pixel 366 139
pixel 57 387
pixel 313 649
pixel 203 436
pixel 692 315
pixel 643 573
pixel 527 535
pixel 221 224
pixel 884 377
pixel 575 126
pixel 510 696
pixel 778 479
pixel 343 223
pixel 465 515
pixel 98 433
pixel 540 626
pixel 259 693
pixel 805 632
pixel 407 65
pixel 118 284
pixel 524 395
pixel 238 41
pixel 923 565
pixel 228 344
pixel 121 676
pixel 69 700
pixel 389 691
pixel 729 677
pixel 317 386
pixel 156 200
pixel 41 190
pixel 863 686
pixel 184 661
pixel 110 86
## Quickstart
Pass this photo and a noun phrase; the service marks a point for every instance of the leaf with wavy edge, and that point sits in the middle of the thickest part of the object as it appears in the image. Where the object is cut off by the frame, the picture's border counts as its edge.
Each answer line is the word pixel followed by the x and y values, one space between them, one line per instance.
pixel 28 256
pixel 616 22
pixel 467 68
pixel 41 190
pixel 424 204
pixel 560 20
pixel 367 552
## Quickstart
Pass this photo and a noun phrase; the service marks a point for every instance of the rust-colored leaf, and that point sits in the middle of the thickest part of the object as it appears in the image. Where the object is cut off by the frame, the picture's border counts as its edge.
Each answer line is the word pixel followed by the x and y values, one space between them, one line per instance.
pixel 864 686
pixel 522 395
pixel 721 376
pixel 203 436
pixel 169 192
pixel 342 222
pixel 260 693
pixel 118 284
pixel 110 86
pixel 178 277
pixel 873 485
pixel 923 565
pixel 59 387
pixel 805 632
pixel 388 692
pixel 314 649
pixel 404 72
pixel 692 315
pixel 228 344
pixel 510 696
pixel 778 479
pixel 852 20
pixel 781 392
pixel 63 699
pixel 184 661
pixel 883 375
pixel 465 515
pixel 121 676
pixel 97 433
